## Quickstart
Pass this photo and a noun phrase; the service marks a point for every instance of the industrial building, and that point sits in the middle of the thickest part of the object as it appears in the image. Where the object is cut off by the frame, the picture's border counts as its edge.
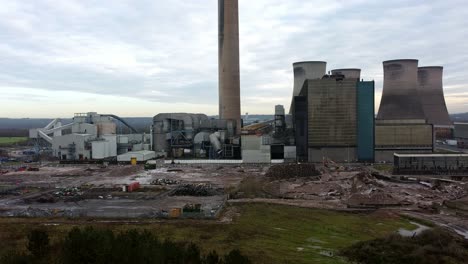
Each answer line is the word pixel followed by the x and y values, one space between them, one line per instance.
pixel 269 142
pixel 90 137
pixel 461 134
pixel 402 136
pixel 179 135
pixel 427 164
pixel 333 115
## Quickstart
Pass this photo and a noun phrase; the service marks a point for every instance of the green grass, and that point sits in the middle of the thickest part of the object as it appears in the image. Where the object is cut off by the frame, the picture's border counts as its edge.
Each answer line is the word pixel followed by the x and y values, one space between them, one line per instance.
pixel 265 233
pixel 384 167
pixel 12 140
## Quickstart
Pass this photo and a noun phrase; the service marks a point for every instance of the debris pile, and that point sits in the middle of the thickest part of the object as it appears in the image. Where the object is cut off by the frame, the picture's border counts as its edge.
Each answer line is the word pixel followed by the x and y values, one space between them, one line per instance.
pixel 164 182
pixel 288 171
pixel 38 212
pixel 69 192
pixel 454 192
pixel 201 189
pixel 46 199
pixel 192 208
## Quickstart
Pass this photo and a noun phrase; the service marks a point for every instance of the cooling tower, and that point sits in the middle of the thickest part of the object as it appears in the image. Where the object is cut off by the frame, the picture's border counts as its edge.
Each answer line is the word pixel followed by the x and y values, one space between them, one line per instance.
pixel 431 93
pixel 307 70
pixel 400 99
pixel 348 73
pixel 303 71
pixel 229 76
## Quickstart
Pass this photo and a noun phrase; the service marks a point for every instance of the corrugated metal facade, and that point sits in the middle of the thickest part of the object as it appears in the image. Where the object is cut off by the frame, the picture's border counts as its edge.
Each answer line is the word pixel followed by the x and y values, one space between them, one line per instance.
pixel 365 121
pixel 403 136
pixel 332 113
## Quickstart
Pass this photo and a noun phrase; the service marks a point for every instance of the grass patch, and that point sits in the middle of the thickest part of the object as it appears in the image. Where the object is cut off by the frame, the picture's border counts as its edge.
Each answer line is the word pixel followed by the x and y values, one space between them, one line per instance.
pixel 384 167
pixel 4 141
pixel 265 233
pixel 418 220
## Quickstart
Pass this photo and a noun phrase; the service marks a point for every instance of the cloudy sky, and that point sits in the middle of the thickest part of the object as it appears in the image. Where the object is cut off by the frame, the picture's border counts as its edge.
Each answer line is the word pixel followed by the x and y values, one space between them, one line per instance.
pixel 142 57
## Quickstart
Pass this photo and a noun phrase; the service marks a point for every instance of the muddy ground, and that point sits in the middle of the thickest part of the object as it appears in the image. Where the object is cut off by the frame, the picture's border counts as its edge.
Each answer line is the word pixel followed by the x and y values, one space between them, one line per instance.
pixel 95 191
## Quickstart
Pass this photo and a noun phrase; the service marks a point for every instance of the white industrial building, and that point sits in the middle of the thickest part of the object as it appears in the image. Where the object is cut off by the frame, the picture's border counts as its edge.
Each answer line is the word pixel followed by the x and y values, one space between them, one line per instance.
pixel 92 136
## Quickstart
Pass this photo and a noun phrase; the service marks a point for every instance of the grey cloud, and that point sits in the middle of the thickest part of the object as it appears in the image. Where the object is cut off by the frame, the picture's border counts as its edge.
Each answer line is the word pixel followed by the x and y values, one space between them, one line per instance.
pixel 166 50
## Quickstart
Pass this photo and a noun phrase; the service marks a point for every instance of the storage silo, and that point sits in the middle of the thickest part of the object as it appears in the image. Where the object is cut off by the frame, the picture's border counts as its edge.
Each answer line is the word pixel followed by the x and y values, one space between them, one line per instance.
pixel 348 73
pixel 430 87
pixel 400 99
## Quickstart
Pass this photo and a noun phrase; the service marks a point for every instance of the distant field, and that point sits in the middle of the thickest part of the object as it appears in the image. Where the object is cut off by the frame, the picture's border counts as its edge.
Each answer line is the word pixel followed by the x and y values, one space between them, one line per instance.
pixel 12 140
pixel 265 233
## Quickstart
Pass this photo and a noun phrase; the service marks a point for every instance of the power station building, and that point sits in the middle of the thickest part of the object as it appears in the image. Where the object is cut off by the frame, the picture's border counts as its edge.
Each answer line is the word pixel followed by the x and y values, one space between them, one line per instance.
pixel 92 137
pixel 333 115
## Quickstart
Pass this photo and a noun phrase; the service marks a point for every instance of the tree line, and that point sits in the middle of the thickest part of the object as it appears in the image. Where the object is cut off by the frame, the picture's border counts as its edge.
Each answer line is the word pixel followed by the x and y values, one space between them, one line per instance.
pixel 95 246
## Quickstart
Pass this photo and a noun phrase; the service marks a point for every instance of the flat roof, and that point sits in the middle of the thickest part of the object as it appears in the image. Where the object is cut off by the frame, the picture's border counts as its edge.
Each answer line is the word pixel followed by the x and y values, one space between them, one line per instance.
pixel 430 155
pixel 141 152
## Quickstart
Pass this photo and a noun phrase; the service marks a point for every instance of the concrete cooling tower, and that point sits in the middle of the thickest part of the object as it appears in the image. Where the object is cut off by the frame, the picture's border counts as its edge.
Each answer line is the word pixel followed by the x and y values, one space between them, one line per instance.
pixel 306 70
pixel 400 98
pixel 348 73
pixel 229 72
pixel 430 88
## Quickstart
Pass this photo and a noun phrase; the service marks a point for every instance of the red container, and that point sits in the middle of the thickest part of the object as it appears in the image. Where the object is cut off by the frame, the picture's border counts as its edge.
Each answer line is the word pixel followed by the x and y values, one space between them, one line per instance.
pixel 133 187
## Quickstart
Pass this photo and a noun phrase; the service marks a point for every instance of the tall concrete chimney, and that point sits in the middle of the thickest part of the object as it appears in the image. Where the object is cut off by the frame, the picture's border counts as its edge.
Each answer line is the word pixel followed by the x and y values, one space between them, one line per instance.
pixel 229 73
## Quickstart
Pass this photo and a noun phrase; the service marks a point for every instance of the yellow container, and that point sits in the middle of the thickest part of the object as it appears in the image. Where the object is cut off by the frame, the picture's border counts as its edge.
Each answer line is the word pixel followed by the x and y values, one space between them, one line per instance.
pixel 133 161
pixel 175 213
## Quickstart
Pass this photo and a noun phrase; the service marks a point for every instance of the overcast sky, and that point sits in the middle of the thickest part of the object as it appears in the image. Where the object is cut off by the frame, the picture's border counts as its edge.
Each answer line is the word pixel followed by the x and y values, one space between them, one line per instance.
pixel 143 57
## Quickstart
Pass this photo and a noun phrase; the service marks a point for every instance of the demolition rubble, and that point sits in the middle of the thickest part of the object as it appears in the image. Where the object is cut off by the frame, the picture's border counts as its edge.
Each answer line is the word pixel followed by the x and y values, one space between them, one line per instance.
pixel 202 191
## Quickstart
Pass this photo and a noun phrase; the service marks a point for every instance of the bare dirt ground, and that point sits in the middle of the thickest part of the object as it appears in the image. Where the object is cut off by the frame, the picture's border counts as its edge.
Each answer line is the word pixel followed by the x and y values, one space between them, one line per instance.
pixel 95 191
pixel 91 190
